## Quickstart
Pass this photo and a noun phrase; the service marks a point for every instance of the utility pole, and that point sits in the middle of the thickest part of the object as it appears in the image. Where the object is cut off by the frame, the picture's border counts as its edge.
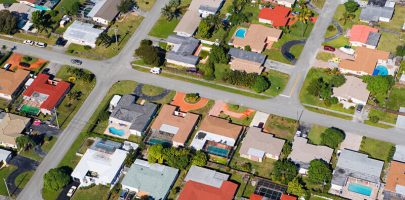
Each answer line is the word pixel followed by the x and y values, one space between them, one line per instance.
pixel 56 117
pixel 5 183
pixel 116 38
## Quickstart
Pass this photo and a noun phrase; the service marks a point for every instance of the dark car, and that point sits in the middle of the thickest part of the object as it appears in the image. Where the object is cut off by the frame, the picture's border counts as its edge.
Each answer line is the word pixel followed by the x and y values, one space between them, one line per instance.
pixel 123 194
pixel 24 64
pixel 359 108
pixel 289 56
pixel 192 70
pixel 329 48
pixel 76 61
pixel 61 42
pixel 130 196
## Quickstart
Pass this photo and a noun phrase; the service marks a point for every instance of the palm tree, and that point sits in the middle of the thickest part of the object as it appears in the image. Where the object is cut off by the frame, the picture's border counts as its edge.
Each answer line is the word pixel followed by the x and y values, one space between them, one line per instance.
pixel 304 17
pixel 347 17
pixel 104 38
pixel 171 10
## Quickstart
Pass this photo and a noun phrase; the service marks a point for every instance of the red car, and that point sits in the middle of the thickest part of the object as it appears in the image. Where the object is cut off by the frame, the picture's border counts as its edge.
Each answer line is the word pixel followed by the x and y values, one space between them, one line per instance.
pixel 37 122
pixel 329 48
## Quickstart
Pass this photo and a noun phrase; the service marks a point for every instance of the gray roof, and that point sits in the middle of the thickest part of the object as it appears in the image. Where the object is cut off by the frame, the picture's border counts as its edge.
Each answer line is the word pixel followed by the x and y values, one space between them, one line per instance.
pixel 380 3
pixel 357 165
pixel 401 119
pixel 139 115
pixel 373 13
pixel 373 38
pixel 183 49
pixel 155 179
pixel 82 31
pixel 247 55
pixel 206 176
pixel 399 153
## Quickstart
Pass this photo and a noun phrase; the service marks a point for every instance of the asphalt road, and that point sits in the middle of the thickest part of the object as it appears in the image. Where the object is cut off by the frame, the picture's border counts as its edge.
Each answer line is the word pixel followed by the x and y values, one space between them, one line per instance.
pixel 119 68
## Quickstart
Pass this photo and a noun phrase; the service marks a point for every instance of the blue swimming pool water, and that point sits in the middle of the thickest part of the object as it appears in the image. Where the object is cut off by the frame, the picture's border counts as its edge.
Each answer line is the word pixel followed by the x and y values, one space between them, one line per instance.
pixel 380 70
pixel 115 131
pixel 360 189
pixel 217 151
pixel 240 33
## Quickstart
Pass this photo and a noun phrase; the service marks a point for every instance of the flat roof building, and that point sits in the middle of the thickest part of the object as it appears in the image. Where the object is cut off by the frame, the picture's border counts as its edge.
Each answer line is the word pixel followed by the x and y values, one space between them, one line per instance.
pixel 82 34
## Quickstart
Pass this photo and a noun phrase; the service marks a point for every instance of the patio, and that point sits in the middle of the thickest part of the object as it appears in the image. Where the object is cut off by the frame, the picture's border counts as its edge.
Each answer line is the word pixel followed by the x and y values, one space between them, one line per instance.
pixel 354 195
pixel 118 130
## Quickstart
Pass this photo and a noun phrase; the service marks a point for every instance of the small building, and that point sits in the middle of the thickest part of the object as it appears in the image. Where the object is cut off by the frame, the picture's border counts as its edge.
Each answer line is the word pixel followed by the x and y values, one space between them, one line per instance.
pixel 365 61
pixel 277 16
pixel 101 164
pixel 182 51
pixel 5 157
pixel 258 37
pixel 401 119
pixel 44 95
pixel 11 83
pixel 303 153
pixel 352 93
pixel 202 184
pixel 399 154
pixel 395 182
pixel 362 35
pixel 11 127
pixel 172 126
pixel 216 136
pixel 356 176
pixel 114 102
pixel 82 34
pixel 257 145
pixel 376 14
pixel 104 11
pixel 130 117
pixel 151 180
pixel 247 61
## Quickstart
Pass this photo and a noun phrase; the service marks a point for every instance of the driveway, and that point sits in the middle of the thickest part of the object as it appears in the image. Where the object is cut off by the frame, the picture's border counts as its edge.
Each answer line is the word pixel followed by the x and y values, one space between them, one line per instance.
pixel 63 193
pixel 23 164
pixel 285 49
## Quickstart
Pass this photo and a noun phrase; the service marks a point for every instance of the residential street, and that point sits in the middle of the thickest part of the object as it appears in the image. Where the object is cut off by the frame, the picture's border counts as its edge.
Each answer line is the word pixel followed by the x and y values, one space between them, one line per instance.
pixel 119 68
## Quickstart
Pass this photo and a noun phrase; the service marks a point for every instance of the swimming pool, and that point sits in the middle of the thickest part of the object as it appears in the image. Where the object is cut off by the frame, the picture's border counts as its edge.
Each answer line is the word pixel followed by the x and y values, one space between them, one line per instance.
pixel 115 131
pixel 380 70
pixel 240 33
pixel 218 151
pixel 41 8
pixel 360 189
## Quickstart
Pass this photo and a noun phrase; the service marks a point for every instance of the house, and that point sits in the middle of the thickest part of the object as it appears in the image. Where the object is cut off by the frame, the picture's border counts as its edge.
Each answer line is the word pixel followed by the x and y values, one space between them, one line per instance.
pixel 130 117
pixel 401 119
pixel 362 35
pixel 172 126
pixel 256 145
pixel 379 3
pixel 352 93
pixel 11 83
pixel 82 34
pixel 11 127
pixel 102 163
pixel 365 61
pixel 216 136
pixel 44 5
pixel 104 11
pixel 267 190
pixel 5 157
pixel 288 197
pixel 191 19
pixel 44 95
pixel 202 184
pixel 151 180
pixel 399 154
pixel 247 61
pixel 303 153
pixel 286 3
pixel 356 170
pixel 395 182
pixel 258 37
pixel 182 50
pixel 376 14
pixel 277 16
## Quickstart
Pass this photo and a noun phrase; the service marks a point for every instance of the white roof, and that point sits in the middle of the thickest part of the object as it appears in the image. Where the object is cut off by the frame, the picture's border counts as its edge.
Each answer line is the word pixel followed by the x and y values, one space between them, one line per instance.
pixel 402 79
pixel 114 101
pixel 106 165
pixel 353 88
pixel 401 119
pixel 96 8
pixel 399 153
pixel 260 117
pixel 206 176
pixel 4 154
pixel 82 32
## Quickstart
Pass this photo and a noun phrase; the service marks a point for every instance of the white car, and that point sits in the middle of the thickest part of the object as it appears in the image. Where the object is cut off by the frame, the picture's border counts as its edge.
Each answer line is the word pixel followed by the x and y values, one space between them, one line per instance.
pixel 40 44
pixel 156 70
pixel 71 191
pixel 29 42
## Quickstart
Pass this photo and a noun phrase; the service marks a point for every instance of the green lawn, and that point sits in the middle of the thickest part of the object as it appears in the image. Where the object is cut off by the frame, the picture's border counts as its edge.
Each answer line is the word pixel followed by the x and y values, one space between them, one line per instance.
pixel 396 98
pixel 397 20
pixel 125 28
pixel 275 54
pixel 7 1
pixel 95 192
pixel 163 28
pixel 23 179
pixel 145 5
pixel 332 32
pixel 281 127
pixel 338 42
pixel 324 56
pixel 262 169
pixel 4 172
pixel 380 125
pixel 377 149
pixel 278 81
pixel 384 116
pixel 349 23
pixel 325 112
pixel 151 90
pixel 389 41
pixel 318 3
pixel 315 133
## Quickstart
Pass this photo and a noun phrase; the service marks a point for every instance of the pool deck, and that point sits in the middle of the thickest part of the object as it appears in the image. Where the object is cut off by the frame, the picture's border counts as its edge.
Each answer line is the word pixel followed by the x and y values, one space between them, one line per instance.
pixel 117 126
pixel 353 195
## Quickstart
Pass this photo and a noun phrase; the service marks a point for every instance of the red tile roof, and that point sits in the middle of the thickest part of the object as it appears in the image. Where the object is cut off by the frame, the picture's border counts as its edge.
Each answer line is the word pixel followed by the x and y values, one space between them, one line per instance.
pixel 359 33
pixel 278 15
pixel 288 197
pixel 198 191
pixel 255 197
pixel 42 85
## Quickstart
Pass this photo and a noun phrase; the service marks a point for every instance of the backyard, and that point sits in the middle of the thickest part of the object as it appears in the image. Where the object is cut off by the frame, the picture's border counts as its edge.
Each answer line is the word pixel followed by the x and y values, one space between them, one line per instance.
pixel 95 192
pixel 262 169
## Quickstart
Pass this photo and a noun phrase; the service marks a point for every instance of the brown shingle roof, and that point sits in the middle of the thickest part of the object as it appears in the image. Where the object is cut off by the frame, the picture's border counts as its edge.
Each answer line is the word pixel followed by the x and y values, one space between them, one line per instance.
pixel 109 10
pixel 10 81
pixel 256 139
pixel 396 176
pixel 365 60
pixel 220 127
pixel 185 123
pixel 11 127
pixel 245 65
pixel 257 36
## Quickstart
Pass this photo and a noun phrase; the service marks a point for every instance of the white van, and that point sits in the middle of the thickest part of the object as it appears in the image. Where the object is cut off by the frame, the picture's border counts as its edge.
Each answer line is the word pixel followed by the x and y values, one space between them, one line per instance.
pixel 156 70
pixel 6 66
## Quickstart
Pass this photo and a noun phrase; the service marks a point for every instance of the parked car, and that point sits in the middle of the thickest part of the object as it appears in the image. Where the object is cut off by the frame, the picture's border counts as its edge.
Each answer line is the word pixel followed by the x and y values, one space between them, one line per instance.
pixel 359 108
pixel 76 61
pixel 71 191
pixel 6 66
pixel 329 48
pixel 29 42
pixel 60 42
pixel 156 70
pixel 130 196
pixel 290 56
pixel 192 70
pixel 24 64
pixel 123 194
pixel 40 44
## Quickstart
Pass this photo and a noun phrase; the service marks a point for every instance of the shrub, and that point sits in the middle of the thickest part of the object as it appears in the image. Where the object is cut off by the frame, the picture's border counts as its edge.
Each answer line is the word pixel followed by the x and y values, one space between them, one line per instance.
pixel 332 137
pixel 261 84
pixel 331 28
pixel 192 97
pixel 56 178
pixel 374 119
pixel 87 47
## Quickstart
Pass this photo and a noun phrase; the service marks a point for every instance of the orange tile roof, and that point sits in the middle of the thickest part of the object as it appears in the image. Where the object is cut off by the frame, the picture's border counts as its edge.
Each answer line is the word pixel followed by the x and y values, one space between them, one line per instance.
pixel 10 81
pixel 198 191
pixel 220 127
pixel 365 60
pixel 255 197
pixel 257 36
pixel 288 197
pixel 185 124
pixel 278 15
pixel 359 33
pixel 396 176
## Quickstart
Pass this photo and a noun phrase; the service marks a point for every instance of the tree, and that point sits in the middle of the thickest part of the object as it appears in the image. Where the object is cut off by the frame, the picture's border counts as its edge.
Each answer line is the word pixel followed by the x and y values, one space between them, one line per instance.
pixel 199 159
pixel 400 51
pixel 149 53
pixel 237 16
pixel 296 188
pixel 261 84
pixel 177 158
pixel 315 86
pixel 131 157
pixel 56 179
pixel 104 39
pixel 219 54
pixel 171 10
pixel 287 148
pixel 125 6
pixel 284 171
pixel 155 154
pixel 379 86
pixel 351 6
pixel 332 137
pixel 319 173
pixel 248 48
pixel 41 20
pixel 208 70
pixel 8 22
pixel 304 17
pixel 337 80
pixel 24 142
pixel 204 29
pixel 374 118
